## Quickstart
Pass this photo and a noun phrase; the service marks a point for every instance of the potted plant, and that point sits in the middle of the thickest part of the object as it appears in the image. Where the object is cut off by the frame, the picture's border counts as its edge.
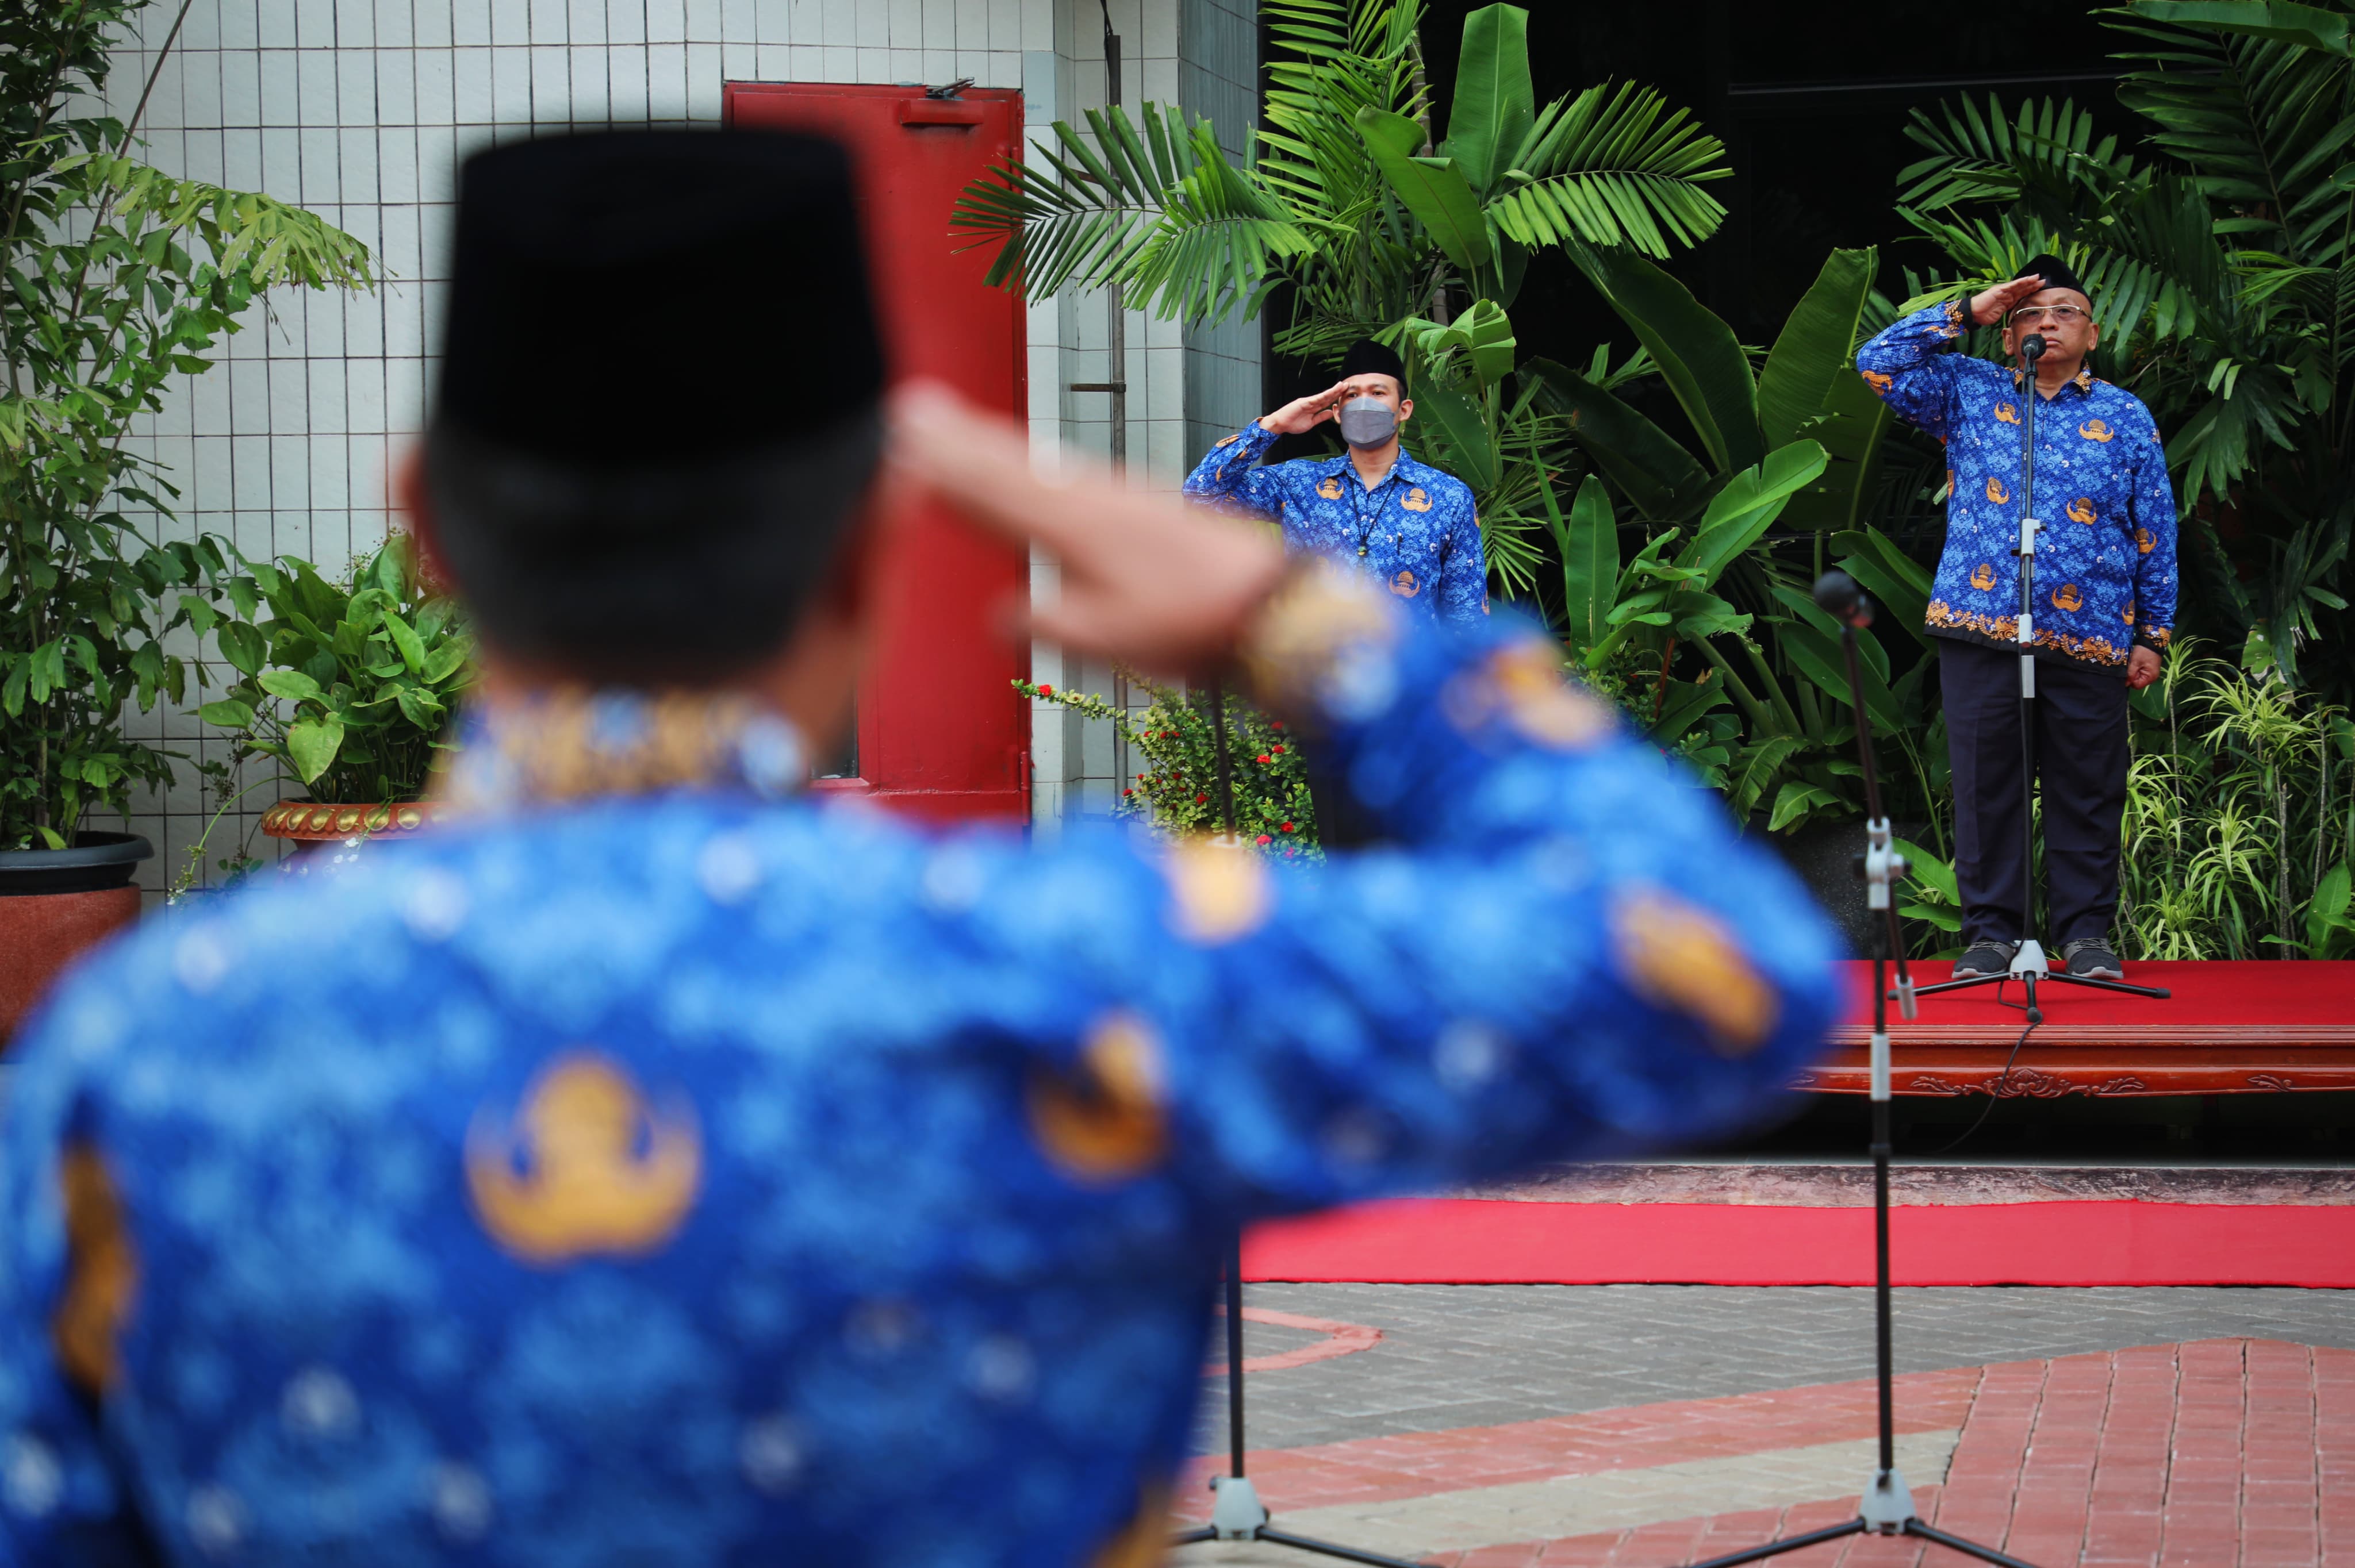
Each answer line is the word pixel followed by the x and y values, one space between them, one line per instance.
pixel 349 686
pixel 120 277
pixel 1176 741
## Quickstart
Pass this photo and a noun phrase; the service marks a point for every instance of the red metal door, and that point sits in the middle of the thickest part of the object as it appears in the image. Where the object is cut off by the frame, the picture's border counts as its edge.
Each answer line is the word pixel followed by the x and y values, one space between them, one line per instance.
pixel 941 731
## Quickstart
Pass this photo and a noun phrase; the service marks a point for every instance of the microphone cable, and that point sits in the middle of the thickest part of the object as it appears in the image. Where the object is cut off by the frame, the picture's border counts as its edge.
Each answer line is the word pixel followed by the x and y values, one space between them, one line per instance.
pixel 1995 1090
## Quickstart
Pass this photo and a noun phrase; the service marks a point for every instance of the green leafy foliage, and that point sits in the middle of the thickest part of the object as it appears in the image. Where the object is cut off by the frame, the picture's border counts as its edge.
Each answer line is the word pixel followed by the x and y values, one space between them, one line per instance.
pixel 2240 825
pixel 1178 792
pixel 350 684
pixel 114 279
pixel 1344 204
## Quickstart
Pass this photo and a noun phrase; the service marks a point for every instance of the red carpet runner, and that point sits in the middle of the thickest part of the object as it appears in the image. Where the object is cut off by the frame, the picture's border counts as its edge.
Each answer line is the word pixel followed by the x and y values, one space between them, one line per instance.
pixel 1465 1241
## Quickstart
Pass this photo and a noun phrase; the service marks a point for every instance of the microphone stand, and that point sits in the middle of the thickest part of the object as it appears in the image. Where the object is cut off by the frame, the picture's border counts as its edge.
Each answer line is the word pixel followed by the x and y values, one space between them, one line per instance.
pixel 1887 1506
pixel 1237 1514
pixel 2028 964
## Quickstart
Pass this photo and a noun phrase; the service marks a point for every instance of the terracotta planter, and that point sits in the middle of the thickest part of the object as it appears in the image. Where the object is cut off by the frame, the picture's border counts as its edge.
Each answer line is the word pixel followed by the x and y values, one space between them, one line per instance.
pixel 56 903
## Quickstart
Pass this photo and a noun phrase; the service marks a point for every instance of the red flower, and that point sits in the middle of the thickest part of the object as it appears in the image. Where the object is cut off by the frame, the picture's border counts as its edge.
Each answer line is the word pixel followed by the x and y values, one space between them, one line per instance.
pixel 1264 758
pixel 1201 799
pixel 1128 791
pixel 1279 724
pixel 1278 749
pixel 1262 839
pixel 1045 690
pixel 1287 827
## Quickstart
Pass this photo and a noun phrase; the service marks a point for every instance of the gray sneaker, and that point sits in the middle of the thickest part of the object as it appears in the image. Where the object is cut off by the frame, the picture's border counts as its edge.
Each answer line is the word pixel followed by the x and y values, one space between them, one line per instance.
pixel 2091 957
pixel 1988 958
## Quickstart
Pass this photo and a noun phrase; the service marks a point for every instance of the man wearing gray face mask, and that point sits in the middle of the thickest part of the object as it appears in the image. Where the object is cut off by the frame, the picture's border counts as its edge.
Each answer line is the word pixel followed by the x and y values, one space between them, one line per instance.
pixel 1373 507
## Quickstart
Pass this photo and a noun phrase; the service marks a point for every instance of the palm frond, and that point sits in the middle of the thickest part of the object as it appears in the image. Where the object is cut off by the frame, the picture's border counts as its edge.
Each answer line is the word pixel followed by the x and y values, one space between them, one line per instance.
pixel 2044 154
pixel 1613 166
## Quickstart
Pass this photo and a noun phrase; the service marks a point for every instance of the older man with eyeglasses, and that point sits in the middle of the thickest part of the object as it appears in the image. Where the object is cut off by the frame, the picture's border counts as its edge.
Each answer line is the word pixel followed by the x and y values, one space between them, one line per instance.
pixel 2106 583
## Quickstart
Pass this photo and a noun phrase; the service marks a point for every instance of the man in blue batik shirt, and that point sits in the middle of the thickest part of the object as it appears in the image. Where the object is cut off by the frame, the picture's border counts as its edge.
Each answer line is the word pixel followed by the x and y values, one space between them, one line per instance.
pixel 1407 524
pixel 668 1169
pixel 2106 600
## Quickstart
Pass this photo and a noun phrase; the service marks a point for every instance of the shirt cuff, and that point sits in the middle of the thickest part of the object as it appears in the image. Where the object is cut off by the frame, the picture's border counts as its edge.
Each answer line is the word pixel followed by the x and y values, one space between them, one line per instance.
pixel 2153 638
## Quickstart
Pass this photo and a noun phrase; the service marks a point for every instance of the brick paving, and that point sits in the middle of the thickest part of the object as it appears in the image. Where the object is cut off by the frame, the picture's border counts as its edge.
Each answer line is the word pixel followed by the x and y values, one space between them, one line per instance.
pixel 1523 1425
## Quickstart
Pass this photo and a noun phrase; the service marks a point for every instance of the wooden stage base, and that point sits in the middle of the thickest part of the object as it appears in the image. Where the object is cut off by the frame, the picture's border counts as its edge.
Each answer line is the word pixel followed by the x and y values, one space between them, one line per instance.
pixel 2229 1029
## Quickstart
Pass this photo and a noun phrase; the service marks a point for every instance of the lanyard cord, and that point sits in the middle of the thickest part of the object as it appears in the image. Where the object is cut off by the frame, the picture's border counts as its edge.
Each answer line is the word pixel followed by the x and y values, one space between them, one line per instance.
pixel 1357 492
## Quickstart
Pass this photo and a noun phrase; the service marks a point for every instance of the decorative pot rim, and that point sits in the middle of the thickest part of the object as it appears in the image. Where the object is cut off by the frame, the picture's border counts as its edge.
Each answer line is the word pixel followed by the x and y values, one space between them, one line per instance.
pixel 315 822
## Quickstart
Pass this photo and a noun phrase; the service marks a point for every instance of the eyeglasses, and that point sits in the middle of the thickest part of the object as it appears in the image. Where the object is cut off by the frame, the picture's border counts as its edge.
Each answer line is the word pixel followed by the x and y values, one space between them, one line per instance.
pixel 2063 315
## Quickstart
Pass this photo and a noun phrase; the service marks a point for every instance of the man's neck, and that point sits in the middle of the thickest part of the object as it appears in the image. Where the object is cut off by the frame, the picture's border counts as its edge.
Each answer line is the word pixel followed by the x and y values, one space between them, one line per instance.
pixel 2053 373
pixel 1374 463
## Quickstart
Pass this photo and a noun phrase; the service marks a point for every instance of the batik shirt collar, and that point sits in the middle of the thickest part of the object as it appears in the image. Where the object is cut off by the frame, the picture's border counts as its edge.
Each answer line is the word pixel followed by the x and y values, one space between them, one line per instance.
pixel 2082 381
pixel 572 744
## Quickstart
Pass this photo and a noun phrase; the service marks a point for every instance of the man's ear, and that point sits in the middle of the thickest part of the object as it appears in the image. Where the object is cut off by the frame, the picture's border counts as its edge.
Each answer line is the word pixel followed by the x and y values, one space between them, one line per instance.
pixel 1406 409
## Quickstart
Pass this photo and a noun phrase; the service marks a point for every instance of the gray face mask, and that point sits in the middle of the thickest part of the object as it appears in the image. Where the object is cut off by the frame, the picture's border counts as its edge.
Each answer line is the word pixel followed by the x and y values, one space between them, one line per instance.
pixel 1368 421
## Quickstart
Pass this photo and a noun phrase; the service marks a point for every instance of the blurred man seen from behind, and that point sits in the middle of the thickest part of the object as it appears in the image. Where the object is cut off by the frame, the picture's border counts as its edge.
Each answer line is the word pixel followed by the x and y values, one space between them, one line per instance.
pixel 667 1169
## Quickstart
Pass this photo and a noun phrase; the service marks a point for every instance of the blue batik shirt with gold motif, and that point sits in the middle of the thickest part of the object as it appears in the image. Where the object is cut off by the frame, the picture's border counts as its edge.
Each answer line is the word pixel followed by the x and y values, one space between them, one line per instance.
pixel 667 1169
pixel 2106 552
pixel 1416 532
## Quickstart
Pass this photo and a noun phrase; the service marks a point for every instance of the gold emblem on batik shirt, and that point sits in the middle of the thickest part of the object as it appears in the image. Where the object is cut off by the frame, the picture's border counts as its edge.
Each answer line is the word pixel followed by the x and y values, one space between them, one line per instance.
pixel 1102 1120
pixel 1416 501
pixel 2006 414
pixel 2128 615
pixel 1403 585
pixel 2095 430
pixel 1996 492
pixel 2146 541
pixel 1983 576
pixel 101 1273
pixel 2066 597
pixel 587 1168
pixel 1877 381
pixel 1331 489
pixel 1681 956
pixel 1228 440
pixel 1522 683
pixel 2082 510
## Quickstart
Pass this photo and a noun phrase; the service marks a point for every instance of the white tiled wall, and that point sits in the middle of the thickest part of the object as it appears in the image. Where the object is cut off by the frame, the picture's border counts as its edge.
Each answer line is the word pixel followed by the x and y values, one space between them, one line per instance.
pixel 362 110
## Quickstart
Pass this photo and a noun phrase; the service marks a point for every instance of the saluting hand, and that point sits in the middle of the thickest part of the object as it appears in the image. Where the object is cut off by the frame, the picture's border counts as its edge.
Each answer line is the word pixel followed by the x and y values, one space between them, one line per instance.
pixel 1303 415
pixel 1146 578
pixel 1989 306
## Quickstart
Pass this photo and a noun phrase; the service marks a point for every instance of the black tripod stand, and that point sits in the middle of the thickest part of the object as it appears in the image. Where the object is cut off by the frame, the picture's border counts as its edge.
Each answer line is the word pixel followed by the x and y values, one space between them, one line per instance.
pixel 1887 1506
pixel 1238 1514
pixel 2028 963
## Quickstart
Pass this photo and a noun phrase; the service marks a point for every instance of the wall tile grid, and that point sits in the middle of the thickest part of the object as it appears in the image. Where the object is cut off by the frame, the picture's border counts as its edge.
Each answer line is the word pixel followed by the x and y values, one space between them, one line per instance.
pixel 362 110
pixel 1187 385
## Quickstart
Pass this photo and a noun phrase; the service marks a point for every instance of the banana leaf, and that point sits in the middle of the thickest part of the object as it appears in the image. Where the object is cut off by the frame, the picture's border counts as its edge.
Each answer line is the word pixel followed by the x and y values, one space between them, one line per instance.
pixel 1433 189
pixel 1658 477
pixel 1698 355
pixel 1494 106
pixel 1814 345
pixel 1900 587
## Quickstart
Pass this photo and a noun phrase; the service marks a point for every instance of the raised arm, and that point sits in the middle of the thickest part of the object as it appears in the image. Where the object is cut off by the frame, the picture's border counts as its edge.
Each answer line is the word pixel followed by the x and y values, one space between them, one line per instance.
pixel 1906 366
pixel 1230 474
pixel 1568 951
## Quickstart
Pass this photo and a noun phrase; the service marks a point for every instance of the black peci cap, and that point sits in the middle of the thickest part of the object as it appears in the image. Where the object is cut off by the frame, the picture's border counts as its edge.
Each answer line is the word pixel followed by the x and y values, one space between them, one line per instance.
pixel 653 297
pixel 2056 273
pixel 1366 358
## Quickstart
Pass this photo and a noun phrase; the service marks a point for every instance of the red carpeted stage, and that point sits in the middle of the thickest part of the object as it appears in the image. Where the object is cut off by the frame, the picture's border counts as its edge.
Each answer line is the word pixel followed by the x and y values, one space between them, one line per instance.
pixel 1471 1241
pixel 2230 1028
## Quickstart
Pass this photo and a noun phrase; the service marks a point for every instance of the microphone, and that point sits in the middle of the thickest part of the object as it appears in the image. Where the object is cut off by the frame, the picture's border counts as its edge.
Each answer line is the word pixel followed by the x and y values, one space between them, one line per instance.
pixel 1837 595
pixel 2031 347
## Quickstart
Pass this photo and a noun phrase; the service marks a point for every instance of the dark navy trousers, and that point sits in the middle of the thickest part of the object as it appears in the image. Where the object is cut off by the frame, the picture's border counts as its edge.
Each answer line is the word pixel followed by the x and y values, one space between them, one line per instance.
pixel 2081 763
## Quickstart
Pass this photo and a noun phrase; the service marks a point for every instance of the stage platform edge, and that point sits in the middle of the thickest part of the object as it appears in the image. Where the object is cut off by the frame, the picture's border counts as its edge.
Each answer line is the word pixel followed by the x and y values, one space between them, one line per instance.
pixel 2231 1028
